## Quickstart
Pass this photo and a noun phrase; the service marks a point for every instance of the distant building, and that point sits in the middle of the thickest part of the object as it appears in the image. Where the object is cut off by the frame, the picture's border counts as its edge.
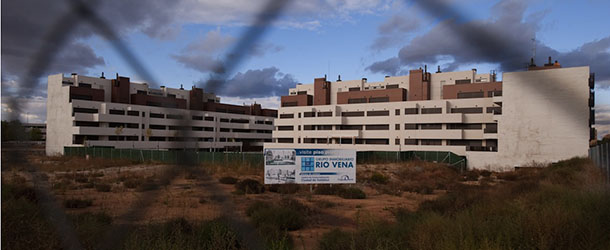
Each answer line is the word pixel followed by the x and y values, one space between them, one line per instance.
pixel 543 114
pixel 41 126
pixel 118 113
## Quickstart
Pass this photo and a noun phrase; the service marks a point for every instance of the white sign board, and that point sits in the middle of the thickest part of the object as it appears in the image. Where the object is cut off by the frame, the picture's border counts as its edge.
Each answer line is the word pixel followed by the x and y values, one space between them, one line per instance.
pixel 310 166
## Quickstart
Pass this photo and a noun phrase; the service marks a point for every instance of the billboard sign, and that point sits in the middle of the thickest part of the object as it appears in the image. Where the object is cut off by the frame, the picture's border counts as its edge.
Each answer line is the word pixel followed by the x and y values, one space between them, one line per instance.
pixel 310 166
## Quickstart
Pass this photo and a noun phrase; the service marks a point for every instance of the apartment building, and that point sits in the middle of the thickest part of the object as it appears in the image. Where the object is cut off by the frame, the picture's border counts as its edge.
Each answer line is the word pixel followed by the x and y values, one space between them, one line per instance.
pixel 118 113
pixel 543 114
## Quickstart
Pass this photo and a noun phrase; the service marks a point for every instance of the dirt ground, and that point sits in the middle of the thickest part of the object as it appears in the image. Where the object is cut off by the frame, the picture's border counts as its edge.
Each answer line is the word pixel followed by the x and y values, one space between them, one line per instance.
pixel 201 196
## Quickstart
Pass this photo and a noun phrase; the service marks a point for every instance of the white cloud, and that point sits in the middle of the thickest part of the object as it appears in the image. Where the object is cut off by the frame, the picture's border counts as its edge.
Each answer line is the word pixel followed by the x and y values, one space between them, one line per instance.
pixel 34 109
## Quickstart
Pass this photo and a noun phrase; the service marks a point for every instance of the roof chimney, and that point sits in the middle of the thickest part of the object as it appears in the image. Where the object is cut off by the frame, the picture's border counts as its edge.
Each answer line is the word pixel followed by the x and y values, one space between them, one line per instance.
pixel 550 60
pixel 117 76
pixel 425 68
pixel 181 88
pixel 338 80
pixel 102 77
pixel 439 69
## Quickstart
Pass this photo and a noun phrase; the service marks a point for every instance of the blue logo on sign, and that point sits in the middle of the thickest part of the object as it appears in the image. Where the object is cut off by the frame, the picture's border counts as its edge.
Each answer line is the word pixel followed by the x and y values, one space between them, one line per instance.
pixel 307 163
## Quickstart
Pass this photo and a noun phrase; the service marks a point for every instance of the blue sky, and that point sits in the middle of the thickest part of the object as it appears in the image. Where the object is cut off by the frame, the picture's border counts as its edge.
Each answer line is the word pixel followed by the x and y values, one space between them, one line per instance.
pixel 353 38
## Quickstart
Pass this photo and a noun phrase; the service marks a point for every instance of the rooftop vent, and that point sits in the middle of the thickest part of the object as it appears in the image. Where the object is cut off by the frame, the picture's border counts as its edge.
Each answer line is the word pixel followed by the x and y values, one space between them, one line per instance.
pixel 438 69
pixel 102 77
pixel 364 79
pixel 339 78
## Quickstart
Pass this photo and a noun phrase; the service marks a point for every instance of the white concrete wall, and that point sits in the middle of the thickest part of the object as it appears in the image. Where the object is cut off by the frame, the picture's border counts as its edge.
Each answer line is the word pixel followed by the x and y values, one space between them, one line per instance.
pixel 544 117
pixel 59 115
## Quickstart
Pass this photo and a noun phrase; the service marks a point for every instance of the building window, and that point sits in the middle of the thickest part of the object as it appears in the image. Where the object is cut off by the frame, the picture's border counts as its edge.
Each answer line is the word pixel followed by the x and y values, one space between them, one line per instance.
pixel 309 140
pixel 411 111
pixel 154 115
pixel 352 113
pixel 462 81
pixel 410 141
pixel 346 141
pixel 290 104
pixel 396 141
pixel 379 99
pixel 309 114
pixel 494 110
pixel 325 127
pixel 356 100
pixel 431 126
pixel 209 118
pixel 225 130
pixel 325 114
pixel 491 128
pixel 285 140
pixel 410 126
pixel 378 113
pixel 285 128
pixel 468 126
pixel 349 127
pixel 197 118
pixel 84 85
pixel 84 110
pixel 309 127
pixel 378 127
pixel 158 127
pixel 396 126
pixel 354 89
pixel 133 113
pixel 397 112
pixel 431 142
pixel 431 110
pixel 286 116
pixel 393 86
pixel 494 93
pixel 377 141
pixel 174 117
pixel 473 110
pixel 464 95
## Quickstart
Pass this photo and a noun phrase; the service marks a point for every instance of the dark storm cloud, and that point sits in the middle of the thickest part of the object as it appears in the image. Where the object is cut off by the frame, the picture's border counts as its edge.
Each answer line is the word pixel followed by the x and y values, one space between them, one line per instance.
pixel 394 30
pixel 203 54
pixel 257 83
pixel 505 39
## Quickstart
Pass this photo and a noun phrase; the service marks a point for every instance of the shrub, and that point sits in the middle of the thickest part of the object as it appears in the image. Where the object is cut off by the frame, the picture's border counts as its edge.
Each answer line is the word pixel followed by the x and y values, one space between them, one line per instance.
pixel 181 234
pixel 147 185
pixel 336 240
pixel 379 178
pixel 228 180
pixel 77 203
pixel 279 217
pixel 470 176
pixel 328 189
pixel 103 187
pixel 132 183
pixel 288 188
pixel 250 186
pixel 352 193
pixel 289 215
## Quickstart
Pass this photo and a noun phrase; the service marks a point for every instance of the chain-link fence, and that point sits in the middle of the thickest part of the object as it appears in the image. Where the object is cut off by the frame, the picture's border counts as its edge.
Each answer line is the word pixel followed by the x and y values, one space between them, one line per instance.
pixel 600 155
pixel 167 156
pixel 380 157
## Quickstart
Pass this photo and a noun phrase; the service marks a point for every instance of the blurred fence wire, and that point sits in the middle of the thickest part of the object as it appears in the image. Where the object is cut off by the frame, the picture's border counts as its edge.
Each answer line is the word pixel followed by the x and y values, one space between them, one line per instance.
pixel 84 13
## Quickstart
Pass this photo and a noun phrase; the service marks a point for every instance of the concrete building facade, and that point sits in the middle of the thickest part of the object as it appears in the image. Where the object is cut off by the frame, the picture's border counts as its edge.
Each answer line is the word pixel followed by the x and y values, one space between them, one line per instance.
pixel 540 115
pixel 92 111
